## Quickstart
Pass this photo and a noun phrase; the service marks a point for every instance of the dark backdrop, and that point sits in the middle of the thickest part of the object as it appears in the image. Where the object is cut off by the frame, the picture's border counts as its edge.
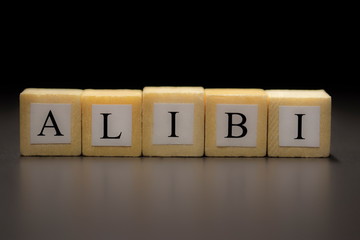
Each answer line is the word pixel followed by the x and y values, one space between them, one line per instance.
pixel 294 63
pixel 107 75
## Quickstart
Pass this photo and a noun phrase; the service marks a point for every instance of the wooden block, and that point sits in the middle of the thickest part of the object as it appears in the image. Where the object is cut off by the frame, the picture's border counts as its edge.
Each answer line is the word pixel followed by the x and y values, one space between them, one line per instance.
pixel 111 122
pixel 50 122
pixel 299 123
pixel 236 122
pixel 173 121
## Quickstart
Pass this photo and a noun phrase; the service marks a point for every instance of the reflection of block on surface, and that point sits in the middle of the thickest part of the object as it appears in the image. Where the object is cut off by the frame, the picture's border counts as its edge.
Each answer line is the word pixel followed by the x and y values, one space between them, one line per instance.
pixel 236 122
pixel 173 121
pixel 111 122
pixel 299 123
pixel 50 122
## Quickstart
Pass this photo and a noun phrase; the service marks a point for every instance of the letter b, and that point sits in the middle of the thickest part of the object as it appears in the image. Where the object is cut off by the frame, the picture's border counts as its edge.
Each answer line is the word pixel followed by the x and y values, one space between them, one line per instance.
pixel 231 125
pixel 236 125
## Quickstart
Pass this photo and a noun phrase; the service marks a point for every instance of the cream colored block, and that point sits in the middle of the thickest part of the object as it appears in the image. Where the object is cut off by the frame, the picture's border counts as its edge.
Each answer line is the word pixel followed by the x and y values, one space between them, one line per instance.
pixel 173 121
pixel 299 123
pixel 50 122
pixel 236 122
pixel 111 122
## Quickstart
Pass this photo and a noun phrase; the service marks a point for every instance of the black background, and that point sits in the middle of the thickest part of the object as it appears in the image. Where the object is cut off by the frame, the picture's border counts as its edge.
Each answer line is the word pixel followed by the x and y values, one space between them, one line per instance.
pixel 268 57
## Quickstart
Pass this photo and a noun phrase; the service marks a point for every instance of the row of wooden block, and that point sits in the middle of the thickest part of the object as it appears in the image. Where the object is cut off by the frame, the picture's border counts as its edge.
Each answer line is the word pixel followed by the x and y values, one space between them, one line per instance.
pixel 175 121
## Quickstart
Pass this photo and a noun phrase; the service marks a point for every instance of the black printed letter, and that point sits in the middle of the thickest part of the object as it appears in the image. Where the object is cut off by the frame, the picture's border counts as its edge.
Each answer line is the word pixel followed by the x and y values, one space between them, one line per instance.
pixel 173 115
pixel 299 136
pixel 106 127
pixel 52 119
pixel 231 124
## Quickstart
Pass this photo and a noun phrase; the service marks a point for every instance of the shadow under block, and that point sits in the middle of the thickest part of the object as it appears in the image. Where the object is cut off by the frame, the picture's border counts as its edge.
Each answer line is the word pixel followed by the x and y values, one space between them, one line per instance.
pixel 299 123
pixel 111 122
pixel 235 122
pixel 50 122
pixel 173 121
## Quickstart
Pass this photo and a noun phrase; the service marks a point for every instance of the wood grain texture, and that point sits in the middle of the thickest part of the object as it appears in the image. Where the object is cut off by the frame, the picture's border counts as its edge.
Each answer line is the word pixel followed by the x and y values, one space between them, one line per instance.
pixel 235 96
pixel 103 96
pixel 193 95
pixel 278 98
pixel 34 95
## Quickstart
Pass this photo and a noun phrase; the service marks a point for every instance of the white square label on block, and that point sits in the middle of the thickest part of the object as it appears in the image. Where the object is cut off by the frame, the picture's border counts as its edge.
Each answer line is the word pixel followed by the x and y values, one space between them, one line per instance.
pixel 299 126
pixel 236 125
pixel 173 123
pixel 111 125
pixel 50 123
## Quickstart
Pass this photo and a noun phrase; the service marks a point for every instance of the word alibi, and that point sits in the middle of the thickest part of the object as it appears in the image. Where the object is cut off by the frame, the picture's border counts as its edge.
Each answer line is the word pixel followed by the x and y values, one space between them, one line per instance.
pixel 175 121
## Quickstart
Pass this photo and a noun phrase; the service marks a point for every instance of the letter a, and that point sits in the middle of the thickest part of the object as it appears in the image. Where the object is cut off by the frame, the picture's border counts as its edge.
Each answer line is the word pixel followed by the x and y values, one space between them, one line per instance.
pixel 52 119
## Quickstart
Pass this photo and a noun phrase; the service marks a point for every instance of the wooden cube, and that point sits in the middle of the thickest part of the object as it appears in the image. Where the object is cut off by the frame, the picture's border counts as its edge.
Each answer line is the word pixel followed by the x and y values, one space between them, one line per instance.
pixel 173 121
pixel 111 122
pixel 50 122
pixel 299 123
pixel 236 122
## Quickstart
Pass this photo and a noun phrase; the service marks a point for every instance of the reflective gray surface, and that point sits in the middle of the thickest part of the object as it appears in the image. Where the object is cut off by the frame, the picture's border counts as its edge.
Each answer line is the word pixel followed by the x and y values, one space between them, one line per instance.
pixel 182 198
